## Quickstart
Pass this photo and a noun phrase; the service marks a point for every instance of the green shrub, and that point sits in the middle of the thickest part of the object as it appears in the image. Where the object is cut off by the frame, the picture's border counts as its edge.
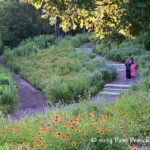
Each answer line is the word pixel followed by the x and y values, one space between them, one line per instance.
pixel 125 50
pixel 41 41
pixel 59 71
pixel 33 45
pixel 69 89
pixel 8 97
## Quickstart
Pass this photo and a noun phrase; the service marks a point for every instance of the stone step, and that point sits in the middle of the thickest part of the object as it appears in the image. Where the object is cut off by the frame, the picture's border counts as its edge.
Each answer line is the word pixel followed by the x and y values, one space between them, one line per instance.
pixel 122 86
pixel 120 66
pixel 117 64
pixel 121 69
pixel 107 89
pixel 109 93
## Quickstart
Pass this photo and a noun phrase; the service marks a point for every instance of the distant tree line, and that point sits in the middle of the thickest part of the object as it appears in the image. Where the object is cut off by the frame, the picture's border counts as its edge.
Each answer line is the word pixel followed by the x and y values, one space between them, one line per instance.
pixel 19 21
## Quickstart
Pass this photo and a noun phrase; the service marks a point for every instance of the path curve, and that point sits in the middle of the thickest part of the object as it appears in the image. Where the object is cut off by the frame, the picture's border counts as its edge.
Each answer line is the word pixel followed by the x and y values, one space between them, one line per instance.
pixel 30 99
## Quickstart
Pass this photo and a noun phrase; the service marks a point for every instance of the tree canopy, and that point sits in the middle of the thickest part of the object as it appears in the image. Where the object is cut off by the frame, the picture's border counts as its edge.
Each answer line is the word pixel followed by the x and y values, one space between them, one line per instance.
pixel 101 16
pixel 19 21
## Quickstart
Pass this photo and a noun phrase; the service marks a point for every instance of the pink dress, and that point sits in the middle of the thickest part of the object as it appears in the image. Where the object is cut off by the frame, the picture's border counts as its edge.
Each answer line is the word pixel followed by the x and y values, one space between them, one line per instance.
pixel 133 70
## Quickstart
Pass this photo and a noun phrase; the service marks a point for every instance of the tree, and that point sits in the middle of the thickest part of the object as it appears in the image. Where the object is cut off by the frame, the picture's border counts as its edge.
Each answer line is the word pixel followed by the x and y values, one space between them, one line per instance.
pixel 101 16
pixel 138 15
pixel 19 21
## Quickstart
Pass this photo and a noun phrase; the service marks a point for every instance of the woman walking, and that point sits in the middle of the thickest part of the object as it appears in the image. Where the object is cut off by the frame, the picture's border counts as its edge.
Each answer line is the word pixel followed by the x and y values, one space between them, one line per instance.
pixel 132 67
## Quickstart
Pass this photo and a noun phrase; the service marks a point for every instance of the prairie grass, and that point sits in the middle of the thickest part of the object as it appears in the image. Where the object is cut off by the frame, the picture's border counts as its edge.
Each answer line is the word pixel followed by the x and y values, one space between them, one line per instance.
pixel 8 98
pixel 59 71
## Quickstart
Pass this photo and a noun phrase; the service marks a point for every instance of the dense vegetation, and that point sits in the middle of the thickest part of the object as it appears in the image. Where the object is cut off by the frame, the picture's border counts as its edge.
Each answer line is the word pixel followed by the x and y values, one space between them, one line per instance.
pixel 84 125
pixel 65 75
pixel 19 21
pixel 8 97
pixel 59 71
pixel 103 17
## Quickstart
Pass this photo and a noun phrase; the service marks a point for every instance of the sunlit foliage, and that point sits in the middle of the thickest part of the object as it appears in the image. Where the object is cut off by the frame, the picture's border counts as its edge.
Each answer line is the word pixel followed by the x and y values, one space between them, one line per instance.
pixel 103 17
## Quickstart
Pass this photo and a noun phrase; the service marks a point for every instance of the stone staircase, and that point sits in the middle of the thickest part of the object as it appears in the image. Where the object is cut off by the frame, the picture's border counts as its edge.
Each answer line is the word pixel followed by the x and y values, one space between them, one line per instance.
pixel 115 88
pixel 119 67
pixel 111 91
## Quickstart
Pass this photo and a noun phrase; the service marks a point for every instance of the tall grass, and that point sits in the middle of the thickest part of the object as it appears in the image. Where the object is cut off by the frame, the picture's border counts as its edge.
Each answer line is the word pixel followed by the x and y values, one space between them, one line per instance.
pixel 33 45
pixel 84 126
pixel 126 49
pixel 60 72
pixel 8 98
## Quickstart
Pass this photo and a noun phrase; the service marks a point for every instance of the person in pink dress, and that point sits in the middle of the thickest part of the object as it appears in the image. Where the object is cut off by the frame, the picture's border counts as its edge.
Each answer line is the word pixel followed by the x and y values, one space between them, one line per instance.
pixel 132 67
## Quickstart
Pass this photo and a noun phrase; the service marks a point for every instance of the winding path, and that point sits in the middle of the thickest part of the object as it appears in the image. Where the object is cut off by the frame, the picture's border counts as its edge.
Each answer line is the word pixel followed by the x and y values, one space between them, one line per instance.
pixel 111 91
pixel 32 100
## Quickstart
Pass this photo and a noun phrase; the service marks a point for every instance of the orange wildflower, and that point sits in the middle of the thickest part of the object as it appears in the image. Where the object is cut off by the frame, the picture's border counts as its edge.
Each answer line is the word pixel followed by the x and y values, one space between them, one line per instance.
pixel 101 131
pixel 77 120
pixel 121 126
pixel 105 116
pixel 56 119
pixel 92 114
pixel 119 117
pixel 73 144
pixel 77 130
pixel 37 143
pixel 15 130
pixel 46 129
pixel 56 116
pixel 74 123
pixel 64 138
pixel 58 133
pixel 83 131
pixel 113 110
pixel 123 133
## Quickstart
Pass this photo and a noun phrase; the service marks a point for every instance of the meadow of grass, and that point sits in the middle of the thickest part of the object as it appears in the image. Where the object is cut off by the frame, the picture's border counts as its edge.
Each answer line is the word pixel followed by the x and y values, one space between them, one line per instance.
pixel 84 126
pixel 119 126
pixel 59 71
pixel 127 49
pixel 8 98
